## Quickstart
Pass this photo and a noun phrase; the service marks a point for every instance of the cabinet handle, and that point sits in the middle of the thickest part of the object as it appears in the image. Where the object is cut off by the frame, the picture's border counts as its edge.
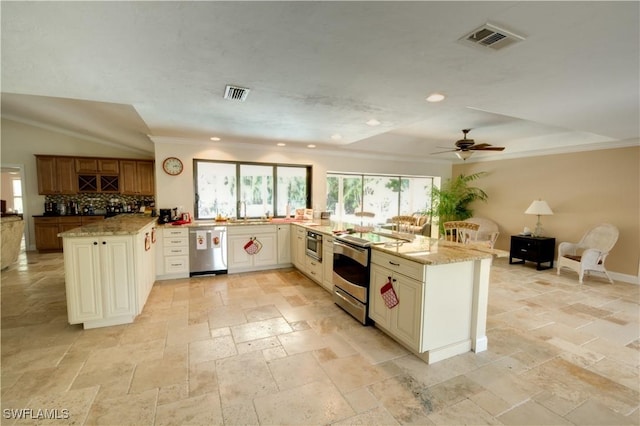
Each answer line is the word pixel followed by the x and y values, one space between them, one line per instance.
pixel 394 264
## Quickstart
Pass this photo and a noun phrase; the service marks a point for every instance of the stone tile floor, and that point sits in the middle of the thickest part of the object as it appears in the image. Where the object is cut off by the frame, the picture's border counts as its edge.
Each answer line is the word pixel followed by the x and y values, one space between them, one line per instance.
pixel 271 348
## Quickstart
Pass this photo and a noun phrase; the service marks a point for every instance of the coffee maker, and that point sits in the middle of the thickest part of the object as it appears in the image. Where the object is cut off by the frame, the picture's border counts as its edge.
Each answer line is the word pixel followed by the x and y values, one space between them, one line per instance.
pixel 50 208
pixel 165 216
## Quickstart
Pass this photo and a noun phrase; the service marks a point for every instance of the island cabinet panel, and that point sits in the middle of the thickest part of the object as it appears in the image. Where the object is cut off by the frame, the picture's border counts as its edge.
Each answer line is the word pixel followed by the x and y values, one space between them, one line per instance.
pixel 448 311
pixel 56 175
pixel 82 277
pixel 116 261
pixel 240 260
pixel 108 277
pixel 404 320
pixel 378 311
pixel 433 317
pixel 100 285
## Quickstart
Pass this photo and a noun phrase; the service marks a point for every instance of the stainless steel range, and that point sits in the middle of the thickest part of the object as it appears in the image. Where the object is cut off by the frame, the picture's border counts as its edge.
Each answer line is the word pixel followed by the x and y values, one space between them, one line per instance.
pixel 351 260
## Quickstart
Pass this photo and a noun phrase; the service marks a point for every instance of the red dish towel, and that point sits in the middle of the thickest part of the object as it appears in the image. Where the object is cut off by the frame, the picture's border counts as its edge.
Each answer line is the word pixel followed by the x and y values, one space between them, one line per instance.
pixel 389 295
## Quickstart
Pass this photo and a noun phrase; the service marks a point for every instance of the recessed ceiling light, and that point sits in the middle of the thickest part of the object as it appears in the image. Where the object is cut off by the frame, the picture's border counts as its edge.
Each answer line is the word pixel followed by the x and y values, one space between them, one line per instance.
pixel 336 137
pixel 373 122
pixel 215 138
pixel 311 146
pixel 435 97
pixel 282 144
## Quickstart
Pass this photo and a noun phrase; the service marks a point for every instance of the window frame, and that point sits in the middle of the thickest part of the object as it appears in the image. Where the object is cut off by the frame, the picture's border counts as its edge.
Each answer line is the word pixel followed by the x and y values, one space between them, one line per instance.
pixel 364 176
pixel 238 190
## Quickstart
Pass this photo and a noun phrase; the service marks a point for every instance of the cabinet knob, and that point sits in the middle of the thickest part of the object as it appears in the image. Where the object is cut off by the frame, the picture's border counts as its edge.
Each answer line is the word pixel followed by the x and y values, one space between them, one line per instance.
pixel 104 242
pixel 95 243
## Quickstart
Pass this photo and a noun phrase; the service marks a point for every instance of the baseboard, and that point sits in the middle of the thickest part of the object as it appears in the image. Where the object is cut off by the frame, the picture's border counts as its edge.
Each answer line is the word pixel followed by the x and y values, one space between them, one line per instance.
pixel 631 279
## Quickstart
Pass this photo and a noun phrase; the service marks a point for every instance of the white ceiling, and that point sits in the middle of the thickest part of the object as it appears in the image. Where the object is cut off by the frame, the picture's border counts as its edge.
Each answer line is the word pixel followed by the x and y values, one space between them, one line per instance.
pixel 128 73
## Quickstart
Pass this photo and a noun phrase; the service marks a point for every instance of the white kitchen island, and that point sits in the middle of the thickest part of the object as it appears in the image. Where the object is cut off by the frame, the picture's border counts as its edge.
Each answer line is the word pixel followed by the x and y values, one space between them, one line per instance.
pixel 109 269
pixel 442 290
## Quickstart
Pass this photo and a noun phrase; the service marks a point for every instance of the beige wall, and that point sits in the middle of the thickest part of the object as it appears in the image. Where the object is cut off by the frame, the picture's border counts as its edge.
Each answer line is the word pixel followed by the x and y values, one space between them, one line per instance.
pixel 583 189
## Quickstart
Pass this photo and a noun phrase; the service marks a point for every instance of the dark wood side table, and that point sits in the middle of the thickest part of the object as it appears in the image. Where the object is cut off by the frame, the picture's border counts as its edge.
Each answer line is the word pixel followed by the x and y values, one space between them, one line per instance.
pixel 534 249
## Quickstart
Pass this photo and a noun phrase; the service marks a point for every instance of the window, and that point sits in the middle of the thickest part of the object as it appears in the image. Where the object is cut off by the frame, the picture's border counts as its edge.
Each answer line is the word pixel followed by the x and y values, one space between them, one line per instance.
pixel 17 195
pixel 253 190
pixel 384 196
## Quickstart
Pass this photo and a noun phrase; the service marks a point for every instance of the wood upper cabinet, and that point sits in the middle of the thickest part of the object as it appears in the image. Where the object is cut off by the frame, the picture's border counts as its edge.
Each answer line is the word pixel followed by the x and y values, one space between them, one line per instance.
pixel 97 165
pixel 56 175
pixel 71 175
pixel 137 177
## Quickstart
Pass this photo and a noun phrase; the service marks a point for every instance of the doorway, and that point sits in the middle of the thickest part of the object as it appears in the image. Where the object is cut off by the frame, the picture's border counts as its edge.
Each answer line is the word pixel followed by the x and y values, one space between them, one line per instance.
pixel 13 195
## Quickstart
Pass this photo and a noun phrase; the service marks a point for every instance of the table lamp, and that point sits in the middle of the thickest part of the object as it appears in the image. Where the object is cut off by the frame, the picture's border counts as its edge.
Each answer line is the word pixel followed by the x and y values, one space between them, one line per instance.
pixel 539 208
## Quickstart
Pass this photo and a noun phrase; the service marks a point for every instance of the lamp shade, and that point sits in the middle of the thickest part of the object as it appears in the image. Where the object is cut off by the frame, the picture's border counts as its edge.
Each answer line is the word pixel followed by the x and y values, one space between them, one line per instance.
pixel 539 207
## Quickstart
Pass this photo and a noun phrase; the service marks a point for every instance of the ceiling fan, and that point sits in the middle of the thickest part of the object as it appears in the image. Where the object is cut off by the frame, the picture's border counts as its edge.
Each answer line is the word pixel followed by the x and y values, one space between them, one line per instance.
pixel 465 147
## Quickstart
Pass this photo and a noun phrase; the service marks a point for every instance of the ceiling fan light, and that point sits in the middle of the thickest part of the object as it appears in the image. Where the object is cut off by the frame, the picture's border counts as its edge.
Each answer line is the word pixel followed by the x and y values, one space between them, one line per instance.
pixel 463 155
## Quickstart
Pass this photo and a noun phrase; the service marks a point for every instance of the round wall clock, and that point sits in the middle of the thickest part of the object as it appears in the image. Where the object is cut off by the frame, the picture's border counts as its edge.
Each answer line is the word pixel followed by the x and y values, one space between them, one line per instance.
pixel 172 166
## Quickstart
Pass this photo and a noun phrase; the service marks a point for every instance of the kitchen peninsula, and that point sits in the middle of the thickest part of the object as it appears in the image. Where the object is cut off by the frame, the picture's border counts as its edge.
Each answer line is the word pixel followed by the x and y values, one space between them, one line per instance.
pixel 441 288
pixel 109 269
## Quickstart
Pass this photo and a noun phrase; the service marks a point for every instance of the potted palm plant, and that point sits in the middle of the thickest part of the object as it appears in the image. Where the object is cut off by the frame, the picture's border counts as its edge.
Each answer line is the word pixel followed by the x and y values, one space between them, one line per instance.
pixel 451 202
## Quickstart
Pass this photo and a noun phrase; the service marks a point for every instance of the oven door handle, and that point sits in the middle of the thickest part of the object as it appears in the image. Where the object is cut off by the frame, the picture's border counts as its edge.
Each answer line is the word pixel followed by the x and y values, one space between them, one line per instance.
pixel 360 255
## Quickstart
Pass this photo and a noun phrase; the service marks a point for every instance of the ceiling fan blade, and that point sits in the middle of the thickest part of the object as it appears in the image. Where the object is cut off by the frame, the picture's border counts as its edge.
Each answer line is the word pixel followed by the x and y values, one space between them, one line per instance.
pixel 442 152
pixel 488 148
pixel 480 146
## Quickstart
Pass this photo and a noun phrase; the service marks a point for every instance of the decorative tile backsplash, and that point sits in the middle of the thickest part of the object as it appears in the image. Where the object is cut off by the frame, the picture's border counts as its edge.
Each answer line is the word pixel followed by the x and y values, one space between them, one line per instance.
pixel 101 201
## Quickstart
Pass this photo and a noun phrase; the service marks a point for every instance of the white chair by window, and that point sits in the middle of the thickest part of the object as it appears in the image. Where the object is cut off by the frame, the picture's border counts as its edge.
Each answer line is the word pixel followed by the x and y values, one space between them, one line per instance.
pixel 590 253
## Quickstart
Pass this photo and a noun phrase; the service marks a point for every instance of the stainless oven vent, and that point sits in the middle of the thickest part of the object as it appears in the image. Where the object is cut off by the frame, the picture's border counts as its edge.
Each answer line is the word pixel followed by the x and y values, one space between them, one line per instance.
pixel 492 37
pixel 236 93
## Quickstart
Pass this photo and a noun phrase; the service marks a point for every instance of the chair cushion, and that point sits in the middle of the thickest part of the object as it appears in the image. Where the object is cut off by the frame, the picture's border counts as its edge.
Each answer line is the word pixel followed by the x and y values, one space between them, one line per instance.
pixel 577 258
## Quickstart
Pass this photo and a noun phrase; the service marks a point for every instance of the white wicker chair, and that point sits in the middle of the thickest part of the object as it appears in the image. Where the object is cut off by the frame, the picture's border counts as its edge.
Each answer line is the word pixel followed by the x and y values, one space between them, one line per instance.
pixel 488 231
pixel 590 253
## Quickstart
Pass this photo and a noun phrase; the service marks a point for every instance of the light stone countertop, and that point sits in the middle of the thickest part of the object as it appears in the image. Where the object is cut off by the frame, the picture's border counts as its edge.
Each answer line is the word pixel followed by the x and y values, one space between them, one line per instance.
pixel 125 224
pixel 425 250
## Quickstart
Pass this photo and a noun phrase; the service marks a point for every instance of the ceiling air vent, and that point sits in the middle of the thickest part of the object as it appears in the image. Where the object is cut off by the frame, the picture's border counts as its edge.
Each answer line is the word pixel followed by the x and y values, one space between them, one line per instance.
pixel 492 37
pixel 235 93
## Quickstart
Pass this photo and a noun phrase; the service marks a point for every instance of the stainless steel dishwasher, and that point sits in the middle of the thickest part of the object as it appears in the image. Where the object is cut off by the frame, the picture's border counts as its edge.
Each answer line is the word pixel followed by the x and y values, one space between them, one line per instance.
pixel 207 250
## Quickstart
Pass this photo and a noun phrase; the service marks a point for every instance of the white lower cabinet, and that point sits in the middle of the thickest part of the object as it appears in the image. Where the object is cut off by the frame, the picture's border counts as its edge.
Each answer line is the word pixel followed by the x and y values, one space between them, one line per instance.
pixel 298 246
pixel 433 317
pixel 327 262
pixel 241 260
pixel 173 253
pixel 404 321
pixel 313 269
pixel 284 244
pixel 108 278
